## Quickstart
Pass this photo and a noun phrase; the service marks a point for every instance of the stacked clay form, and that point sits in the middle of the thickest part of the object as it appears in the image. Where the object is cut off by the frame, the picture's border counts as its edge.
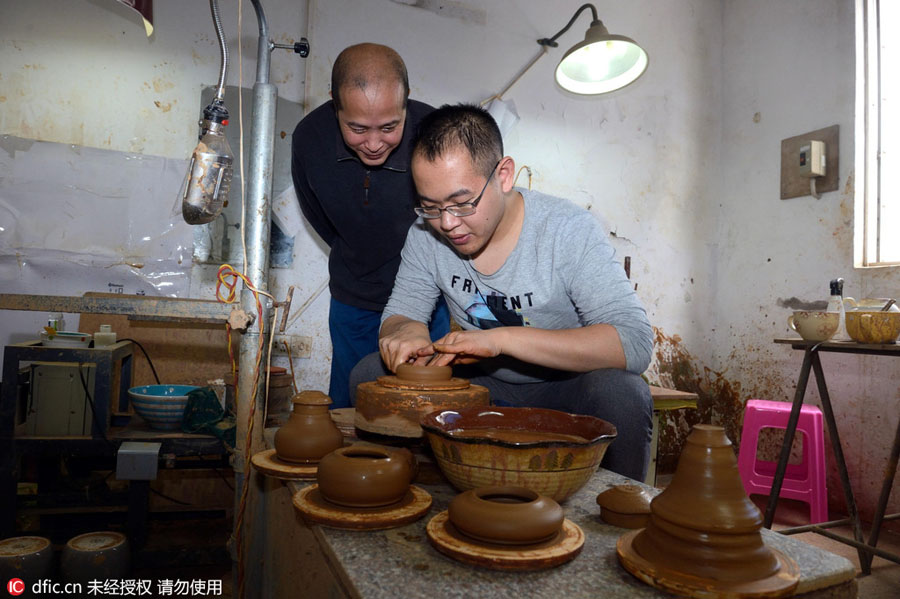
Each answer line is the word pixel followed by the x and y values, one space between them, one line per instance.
pixel 506 515
pixel 704 532
pixel 310 433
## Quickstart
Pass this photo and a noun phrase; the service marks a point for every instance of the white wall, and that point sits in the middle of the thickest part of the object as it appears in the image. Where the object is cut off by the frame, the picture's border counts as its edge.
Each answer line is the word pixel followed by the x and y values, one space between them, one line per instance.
pixel 792 63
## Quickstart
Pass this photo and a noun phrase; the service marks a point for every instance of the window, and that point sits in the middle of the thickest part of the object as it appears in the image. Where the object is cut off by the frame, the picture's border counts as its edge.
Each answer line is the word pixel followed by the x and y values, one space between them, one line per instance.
pixel 877 230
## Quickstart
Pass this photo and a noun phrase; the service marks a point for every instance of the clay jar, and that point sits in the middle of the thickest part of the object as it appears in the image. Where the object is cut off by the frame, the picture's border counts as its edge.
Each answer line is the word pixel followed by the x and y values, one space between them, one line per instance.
pixel 95 556
pixel 27 558
pixel 310 433
pixel 625 506
pixel 366 475
pixel 506 515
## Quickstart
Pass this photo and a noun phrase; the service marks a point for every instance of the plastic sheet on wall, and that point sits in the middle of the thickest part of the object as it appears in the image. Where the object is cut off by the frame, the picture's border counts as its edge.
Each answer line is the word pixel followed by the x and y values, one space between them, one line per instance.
pixel 87 219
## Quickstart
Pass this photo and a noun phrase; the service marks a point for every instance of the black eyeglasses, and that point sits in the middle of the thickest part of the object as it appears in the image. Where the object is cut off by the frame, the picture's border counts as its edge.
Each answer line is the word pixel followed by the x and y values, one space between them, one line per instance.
pixel 461 209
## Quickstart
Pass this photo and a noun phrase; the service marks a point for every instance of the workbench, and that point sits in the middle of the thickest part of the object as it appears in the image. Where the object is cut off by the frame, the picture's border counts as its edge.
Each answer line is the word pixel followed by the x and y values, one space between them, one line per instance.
pixel 317 561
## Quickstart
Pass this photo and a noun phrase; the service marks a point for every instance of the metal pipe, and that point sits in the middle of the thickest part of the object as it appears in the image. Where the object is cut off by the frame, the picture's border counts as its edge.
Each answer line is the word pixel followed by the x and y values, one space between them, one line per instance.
pixel 264 45
pixel 257 227
pixel 223 49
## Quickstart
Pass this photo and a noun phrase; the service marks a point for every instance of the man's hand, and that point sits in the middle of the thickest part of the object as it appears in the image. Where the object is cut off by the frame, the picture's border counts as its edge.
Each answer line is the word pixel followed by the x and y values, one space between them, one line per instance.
pixel 462 347
pixel 401 339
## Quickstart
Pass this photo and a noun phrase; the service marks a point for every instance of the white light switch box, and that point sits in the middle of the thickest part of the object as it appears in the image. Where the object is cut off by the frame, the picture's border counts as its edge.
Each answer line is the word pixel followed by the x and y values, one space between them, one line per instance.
pixel 811 159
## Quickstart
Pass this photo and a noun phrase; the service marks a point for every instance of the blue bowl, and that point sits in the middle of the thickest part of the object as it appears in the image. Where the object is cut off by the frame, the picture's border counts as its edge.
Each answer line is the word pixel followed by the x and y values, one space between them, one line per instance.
pixel 162 406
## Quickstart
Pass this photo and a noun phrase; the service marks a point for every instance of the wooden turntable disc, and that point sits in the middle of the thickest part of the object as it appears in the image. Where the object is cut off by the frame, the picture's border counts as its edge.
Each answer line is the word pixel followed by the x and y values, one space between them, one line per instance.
pixel 564 547
pixel 271 465
pixel 780 584
pixel 315 508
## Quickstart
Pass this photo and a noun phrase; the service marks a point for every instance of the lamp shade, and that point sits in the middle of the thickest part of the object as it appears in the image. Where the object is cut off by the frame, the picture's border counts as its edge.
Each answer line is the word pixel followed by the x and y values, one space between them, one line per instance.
pixel 601 63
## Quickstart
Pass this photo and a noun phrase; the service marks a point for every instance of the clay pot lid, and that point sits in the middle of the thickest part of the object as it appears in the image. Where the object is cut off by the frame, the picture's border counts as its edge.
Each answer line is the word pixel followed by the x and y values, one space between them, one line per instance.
pixel 311 398
pixel 22 546
pixel 625 499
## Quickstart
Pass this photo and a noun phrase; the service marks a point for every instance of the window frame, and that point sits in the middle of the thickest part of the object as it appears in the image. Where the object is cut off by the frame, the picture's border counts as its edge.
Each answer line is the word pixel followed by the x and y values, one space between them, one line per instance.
pixel 868 226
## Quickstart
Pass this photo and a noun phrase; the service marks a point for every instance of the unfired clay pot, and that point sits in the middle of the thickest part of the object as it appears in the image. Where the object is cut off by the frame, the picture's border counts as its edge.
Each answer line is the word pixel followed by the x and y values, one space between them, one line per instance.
pixel 704 524
pixel 365 475
pixel 393 405
pixel 310 433
pixel 424 374
pixel 505 515
pixel 625 506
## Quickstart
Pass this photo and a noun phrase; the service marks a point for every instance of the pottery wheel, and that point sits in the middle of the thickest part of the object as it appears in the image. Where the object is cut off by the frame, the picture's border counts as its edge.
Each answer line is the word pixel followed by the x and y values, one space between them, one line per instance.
pixel 564 547
pixel 271 465
pixel 780 584
pixel 316 508
pixel 395 382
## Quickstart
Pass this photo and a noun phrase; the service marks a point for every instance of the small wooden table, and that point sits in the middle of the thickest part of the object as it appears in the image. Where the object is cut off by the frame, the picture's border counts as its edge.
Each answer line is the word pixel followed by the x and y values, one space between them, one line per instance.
pixel 663 401
pixel 866 549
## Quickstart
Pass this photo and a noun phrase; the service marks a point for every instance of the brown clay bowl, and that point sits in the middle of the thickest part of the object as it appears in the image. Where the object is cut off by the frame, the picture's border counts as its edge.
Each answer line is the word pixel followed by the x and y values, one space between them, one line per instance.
pixel 365 475
pixel 505 515
pixel 625 506
pixel 547 451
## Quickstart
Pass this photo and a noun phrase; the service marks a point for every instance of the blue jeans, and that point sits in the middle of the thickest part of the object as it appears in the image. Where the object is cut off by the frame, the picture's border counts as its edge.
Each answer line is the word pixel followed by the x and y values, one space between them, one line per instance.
pixel 617 396
pixel 354 335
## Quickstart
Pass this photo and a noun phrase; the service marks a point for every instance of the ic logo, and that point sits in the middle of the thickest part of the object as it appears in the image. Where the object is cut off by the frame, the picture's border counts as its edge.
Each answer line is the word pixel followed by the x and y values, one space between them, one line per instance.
pixel 15 586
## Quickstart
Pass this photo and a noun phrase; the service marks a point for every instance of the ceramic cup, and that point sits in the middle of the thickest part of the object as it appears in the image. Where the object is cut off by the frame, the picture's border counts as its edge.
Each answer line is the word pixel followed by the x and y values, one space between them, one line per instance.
pixel 814 325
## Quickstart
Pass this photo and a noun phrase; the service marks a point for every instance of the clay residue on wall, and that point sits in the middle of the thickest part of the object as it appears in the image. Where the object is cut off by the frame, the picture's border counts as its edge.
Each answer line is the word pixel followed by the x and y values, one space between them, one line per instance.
pixel 719 402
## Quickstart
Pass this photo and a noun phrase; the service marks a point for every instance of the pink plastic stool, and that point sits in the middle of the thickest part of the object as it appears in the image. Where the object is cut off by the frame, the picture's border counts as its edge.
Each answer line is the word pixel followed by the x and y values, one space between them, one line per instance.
pixel 804 481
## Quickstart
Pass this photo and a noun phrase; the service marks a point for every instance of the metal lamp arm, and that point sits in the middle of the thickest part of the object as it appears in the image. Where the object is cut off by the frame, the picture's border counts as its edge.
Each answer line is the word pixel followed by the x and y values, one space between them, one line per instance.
pixel 552 41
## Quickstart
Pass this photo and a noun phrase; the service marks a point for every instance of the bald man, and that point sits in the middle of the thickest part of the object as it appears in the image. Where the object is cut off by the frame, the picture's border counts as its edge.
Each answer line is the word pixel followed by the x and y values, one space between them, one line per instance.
pixel 350 164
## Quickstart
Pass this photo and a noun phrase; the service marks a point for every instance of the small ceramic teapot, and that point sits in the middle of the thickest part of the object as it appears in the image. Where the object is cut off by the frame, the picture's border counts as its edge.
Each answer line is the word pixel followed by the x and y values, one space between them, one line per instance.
pixel 366 475
pixel 309 433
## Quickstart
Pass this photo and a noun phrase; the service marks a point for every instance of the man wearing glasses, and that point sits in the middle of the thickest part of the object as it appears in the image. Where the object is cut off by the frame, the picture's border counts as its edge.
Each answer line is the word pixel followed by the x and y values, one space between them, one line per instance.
pixel 549 318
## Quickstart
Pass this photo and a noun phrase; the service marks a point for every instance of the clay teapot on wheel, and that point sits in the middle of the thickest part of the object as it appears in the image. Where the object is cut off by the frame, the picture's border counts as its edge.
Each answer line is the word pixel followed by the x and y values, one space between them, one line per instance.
pixel 395 404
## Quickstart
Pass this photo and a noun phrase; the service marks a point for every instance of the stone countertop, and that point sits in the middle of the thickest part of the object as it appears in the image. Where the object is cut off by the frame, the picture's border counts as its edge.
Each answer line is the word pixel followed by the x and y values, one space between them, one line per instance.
pixel 401 562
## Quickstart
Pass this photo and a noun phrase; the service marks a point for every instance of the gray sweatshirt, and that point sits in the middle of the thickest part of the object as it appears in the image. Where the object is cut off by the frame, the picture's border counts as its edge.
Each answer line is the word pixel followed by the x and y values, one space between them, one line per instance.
pixel 562 274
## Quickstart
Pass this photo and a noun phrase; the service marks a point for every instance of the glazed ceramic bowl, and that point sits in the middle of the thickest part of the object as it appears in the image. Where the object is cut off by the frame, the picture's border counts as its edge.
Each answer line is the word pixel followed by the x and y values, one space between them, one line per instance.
pixel 547 451
pixel 873 327
pixel 365 475
pixel 505 515
pixel 815 325
pixel 162 406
